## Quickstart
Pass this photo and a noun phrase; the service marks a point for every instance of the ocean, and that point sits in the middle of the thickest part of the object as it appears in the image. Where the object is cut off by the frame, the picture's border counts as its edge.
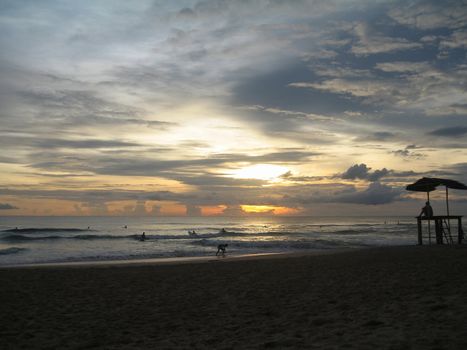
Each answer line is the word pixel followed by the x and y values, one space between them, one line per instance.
pixel 35 240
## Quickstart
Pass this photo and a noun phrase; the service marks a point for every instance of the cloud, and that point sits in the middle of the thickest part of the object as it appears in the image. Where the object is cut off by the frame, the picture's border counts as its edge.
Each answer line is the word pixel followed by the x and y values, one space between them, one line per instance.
pixel 370 42
pixel 375 194
pixel 408 152
pixel 86 143
pixel 428 15
pixel 361 171
pixel 6 206
pixel 399 87
pixel 193 210
pixel 457 40
pixel 377 136
pixel 357 171
pixel 233 210
pixel 122 105
pixel 403 67
pixel 456 131
pixel 129 165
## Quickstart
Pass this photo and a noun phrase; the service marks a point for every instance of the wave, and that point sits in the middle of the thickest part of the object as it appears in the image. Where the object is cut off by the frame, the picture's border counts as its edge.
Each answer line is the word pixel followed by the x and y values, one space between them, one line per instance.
pixel 24 238
pixel 42 230
pixel 28 238
pixel 281 245
pixel 12 250
pixel 82 237
pixel 21 236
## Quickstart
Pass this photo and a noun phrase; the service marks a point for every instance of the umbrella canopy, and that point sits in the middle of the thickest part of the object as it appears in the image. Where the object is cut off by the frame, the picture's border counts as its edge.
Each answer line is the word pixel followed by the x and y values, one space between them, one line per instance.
pixel 428 184
pixel 423 185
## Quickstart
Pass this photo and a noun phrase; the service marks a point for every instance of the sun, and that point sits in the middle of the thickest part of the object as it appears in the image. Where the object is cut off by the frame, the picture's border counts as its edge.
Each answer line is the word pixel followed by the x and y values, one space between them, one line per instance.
pixel 260 172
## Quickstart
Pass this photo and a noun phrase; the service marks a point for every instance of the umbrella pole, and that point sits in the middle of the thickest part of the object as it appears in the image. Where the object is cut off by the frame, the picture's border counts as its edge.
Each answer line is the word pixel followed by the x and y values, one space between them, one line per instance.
pixel 429 226
pixel 447 210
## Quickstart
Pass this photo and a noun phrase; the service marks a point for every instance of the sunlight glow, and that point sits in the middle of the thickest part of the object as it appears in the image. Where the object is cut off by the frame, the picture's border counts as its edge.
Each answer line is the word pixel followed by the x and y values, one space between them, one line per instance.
pixel 260 172
pixel 268 209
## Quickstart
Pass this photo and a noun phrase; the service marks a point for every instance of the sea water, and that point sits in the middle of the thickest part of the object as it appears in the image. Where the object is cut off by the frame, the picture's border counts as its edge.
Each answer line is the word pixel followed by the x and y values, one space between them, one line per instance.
pixel 26 240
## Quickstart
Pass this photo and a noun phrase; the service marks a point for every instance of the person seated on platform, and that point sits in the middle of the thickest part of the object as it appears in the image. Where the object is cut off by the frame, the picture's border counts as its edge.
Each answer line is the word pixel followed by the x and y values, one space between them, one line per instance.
pixel 427 211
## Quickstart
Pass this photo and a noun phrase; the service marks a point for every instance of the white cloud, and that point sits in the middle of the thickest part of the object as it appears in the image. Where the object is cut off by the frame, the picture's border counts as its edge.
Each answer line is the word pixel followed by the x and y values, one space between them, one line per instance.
pixel 456 40
pixel 374 90
pixel 448 14
pixel 419 86
pixel 372 43
pixel 410 67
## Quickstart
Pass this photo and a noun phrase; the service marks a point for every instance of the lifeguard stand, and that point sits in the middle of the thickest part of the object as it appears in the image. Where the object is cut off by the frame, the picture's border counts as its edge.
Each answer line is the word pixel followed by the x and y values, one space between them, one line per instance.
pixel 443 233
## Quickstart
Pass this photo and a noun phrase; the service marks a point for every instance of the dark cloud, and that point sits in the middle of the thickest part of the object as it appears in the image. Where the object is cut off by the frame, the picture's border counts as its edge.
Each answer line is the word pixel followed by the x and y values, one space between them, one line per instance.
pixel 6 206
pixel 378 174
pixel 89 143
pixel 95 196
pixel 408 152
pixel 129 165
pixel 357 171
pixel 211 181
pixel 362 172
pixel 37 142
pixel 456 171
pixel 375 194
pixel 382 136
pixel 273 90
pixel 455 131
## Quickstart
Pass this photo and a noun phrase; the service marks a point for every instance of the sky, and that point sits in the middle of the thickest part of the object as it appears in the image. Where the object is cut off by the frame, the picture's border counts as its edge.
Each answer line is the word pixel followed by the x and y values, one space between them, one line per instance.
pixel 230 107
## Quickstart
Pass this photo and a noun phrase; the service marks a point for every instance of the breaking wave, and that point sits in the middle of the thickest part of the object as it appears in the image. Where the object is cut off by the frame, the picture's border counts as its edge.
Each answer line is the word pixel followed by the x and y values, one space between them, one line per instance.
pixel 12 250
pixel 42 230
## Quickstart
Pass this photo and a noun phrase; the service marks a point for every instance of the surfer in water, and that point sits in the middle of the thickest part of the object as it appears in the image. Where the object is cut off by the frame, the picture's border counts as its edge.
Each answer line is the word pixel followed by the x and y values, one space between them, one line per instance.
pixel 143 237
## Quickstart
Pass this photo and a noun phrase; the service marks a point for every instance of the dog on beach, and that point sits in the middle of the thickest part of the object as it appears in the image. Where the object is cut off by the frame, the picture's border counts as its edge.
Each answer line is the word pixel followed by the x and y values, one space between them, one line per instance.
pixel 221 249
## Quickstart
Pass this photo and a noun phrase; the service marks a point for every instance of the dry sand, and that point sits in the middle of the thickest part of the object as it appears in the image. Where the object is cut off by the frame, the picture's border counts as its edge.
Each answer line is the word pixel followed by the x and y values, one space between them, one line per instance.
pixel 388 298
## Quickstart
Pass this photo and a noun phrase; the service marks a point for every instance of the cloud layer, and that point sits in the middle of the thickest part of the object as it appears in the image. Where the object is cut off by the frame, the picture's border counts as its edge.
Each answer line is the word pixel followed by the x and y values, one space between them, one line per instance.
pixel 152 107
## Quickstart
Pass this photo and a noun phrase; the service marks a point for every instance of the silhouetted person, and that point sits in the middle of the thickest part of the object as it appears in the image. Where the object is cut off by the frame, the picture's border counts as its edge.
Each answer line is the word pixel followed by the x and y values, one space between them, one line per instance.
pixel 143 236
pixel 192 233
pixel 125 226
pixel 223 230
pixel 427 210
pixel 221 249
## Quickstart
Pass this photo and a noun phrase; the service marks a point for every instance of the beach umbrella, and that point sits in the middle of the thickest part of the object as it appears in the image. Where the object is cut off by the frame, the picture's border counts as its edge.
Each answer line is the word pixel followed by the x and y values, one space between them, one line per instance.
pixel 425 184
pixel 428 184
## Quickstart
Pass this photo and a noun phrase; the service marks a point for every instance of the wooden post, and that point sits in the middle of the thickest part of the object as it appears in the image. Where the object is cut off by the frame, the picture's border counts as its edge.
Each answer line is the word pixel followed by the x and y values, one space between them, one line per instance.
pixel 419 224
pixel 439 231
pixel 459 230
pixel 447 210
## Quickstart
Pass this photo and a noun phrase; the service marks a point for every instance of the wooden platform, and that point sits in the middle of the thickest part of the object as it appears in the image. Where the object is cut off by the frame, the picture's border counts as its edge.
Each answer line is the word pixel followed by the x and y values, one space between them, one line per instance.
pixel 442 228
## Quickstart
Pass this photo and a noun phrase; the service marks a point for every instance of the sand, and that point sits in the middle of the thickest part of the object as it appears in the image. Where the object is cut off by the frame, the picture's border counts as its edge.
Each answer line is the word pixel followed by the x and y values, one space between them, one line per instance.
pixel 384 298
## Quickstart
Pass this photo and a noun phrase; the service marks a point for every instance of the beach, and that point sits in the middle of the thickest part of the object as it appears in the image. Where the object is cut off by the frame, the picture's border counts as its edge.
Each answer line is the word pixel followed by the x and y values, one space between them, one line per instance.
pixel 379 298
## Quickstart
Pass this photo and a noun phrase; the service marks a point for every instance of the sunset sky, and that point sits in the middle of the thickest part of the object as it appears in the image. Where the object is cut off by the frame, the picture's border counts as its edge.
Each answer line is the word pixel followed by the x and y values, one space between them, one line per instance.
pixel 224 107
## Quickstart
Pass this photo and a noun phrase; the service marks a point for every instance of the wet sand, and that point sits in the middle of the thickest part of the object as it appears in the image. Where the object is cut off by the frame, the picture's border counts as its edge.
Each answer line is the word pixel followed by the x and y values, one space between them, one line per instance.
pixel 385 298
